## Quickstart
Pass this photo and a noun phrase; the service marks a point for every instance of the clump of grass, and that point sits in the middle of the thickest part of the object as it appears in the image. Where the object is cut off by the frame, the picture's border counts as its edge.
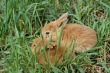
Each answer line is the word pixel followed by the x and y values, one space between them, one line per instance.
pixel 21 21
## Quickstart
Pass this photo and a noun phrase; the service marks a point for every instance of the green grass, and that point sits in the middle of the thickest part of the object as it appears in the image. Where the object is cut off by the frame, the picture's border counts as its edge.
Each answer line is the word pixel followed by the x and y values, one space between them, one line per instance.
pixel 20 22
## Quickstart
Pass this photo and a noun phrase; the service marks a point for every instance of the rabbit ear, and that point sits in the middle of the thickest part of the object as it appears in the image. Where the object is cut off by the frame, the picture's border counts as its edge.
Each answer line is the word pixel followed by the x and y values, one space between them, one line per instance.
pixel 62 19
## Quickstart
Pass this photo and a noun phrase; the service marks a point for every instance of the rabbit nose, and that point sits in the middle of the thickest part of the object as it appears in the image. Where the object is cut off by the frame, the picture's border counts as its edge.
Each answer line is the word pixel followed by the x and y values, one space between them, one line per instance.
pixel 47 33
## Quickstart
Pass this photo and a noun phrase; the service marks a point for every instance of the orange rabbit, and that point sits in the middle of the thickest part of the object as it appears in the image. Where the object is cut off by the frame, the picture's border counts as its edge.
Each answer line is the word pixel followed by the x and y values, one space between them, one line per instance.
pixel 82 37
pixel 37 47
pixel 39 44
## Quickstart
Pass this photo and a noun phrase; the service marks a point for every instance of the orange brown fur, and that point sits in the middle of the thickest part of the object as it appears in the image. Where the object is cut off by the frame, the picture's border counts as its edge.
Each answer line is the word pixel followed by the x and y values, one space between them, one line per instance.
pixel 82 36
pixel 50 52
pixel 39 44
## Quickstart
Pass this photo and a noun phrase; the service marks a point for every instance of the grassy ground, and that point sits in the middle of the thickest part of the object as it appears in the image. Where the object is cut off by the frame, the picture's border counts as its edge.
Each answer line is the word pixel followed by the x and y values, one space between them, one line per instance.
pixel 20 22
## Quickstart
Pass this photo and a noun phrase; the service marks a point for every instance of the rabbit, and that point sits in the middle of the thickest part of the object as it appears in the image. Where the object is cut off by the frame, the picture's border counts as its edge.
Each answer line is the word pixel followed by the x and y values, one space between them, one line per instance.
pixel 80 37
pixel 38 45
pixel 50 56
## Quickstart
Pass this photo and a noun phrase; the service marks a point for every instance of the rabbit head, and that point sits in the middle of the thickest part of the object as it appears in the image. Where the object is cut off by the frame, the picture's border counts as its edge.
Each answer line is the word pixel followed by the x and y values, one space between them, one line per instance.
pixel 49 31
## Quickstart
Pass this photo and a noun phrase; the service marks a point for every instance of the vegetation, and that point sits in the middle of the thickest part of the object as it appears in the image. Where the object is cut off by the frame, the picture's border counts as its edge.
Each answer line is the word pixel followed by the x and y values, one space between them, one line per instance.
pixel 21 20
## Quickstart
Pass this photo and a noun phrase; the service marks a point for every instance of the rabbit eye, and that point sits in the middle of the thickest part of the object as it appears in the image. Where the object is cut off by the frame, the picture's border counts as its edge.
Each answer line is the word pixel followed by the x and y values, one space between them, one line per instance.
pixel 47 32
